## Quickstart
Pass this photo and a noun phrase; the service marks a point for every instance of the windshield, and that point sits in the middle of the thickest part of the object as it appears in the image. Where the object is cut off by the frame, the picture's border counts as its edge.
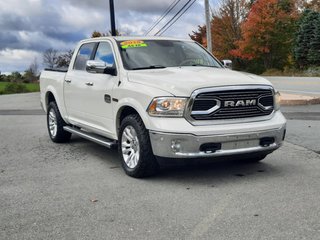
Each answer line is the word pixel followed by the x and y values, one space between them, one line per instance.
pixel 148 54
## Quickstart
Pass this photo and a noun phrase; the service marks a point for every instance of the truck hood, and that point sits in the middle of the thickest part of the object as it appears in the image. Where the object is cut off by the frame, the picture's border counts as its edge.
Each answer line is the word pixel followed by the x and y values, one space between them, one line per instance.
pixel 182 81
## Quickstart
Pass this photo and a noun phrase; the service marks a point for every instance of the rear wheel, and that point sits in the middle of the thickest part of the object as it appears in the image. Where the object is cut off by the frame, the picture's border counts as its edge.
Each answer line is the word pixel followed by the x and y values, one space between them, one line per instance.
pixel 135 148
pixel 55 124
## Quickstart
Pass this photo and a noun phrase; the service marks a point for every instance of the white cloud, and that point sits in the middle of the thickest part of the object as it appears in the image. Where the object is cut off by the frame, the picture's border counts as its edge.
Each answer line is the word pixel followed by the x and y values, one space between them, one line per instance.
pixel 17 59
pixel 31 26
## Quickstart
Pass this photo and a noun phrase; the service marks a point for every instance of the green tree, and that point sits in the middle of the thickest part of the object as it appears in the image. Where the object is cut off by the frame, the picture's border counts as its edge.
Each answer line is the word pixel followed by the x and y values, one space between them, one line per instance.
pixel 2 77
pixel 15 77
pixel 305 35
pixel 314 51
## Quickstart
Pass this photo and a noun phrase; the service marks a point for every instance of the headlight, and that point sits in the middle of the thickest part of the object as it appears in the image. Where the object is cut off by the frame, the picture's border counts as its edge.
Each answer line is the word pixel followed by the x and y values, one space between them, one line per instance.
pixel 277 99
pixel 167 107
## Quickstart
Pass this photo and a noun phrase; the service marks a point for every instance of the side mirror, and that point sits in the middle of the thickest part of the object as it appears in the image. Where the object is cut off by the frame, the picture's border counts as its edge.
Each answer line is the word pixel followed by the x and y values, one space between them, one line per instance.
pixel 93 66
pixel 227 63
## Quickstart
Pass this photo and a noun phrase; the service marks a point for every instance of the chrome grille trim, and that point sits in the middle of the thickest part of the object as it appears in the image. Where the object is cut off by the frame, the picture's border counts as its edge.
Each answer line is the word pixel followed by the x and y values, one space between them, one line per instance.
pixel 228 115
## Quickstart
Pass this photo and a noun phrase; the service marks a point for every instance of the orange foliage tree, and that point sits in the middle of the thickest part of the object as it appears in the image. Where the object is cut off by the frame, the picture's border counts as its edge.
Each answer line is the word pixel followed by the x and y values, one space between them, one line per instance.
pixel 267 33
pixel 225 28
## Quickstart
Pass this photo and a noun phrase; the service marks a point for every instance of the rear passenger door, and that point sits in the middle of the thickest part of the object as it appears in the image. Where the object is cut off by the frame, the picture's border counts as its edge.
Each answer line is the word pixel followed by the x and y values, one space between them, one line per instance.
pixel 75 85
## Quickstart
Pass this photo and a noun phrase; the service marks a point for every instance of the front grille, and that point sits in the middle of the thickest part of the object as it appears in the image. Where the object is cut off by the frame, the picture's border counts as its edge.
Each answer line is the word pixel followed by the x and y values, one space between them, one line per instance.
pixel 203 104
pixel 232 104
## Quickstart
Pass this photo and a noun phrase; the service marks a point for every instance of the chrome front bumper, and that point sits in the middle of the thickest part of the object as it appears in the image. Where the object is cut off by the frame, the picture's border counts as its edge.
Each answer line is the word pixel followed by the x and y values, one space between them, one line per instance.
pixel 175 145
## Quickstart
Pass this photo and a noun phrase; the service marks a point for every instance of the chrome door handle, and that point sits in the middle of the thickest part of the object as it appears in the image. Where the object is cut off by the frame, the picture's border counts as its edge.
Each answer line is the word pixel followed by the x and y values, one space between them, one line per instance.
pixel 67 80
pixel 89 83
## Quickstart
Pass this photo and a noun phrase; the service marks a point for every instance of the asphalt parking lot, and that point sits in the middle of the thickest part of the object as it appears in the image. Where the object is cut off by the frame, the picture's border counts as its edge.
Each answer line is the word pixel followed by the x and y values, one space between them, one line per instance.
pixel 79 191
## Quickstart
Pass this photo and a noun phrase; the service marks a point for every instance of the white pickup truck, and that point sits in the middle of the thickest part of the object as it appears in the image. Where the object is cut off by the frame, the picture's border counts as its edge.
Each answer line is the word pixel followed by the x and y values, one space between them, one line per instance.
pixel 160 97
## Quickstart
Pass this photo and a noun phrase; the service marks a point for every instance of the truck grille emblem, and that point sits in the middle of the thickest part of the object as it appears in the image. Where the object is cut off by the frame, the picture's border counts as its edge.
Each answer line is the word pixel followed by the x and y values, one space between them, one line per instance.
pixel 240 103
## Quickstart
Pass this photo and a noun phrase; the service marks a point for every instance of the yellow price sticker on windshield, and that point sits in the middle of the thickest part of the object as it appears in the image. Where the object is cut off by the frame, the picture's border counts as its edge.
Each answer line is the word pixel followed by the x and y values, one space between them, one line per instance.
pixel 133 44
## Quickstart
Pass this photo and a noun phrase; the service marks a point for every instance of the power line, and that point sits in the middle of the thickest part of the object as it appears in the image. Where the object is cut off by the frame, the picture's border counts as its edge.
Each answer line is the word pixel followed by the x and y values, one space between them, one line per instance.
pixel 168 26
pixel 173 17
pixel 166 12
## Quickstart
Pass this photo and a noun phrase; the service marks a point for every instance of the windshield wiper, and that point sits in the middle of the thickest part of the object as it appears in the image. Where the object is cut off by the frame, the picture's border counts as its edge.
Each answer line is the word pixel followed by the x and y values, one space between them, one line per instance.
pixel 149 67
pixel 203 65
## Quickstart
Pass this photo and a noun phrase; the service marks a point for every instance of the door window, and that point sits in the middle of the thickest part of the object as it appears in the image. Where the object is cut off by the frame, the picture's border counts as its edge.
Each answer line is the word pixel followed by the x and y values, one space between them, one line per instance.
pixel 83 56
pixel 104 53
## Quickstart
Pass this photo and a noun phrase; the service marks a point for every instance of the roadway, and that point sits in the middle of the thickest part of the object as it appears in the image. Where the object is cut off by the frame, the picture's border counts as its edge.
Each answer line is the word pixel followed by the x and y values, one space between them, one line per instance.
pixel 297 85
pixel 79 191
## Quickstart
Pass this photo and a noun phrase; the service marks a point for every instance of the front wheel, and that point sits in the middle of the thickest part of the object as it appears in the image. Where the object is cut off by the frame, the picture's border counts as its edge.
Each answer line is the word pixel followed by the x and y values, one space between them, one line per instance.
pixel 55 125
pixel 135 148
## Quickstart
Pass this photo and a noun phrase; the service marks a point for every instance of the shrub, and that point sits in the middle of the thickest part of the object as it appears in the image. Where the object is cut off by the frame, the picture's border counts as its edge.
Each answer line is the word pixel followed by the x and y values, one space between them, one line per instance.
pixel 313 71
pixel 15 88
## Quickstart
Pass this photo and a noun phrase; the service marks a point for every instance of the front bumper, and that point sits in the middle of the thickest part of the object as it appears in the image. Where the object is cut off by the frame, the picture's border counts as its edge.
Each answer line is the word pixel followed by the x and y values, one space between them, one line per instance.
pixel 175 145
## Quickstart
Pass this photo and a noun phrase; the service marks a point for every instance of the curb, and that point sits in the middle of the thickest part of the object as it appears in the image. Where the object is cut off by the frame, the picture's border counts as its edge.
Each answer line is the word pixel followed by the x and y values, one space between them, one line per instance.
pixel 295 100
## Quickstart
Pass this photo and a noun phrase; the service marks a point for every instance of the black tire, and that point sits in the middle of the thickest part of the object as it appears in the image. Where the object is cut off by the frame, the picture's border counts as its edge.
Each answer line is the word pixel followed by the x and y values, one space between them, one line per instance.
pixel 147 164
pixel 60 136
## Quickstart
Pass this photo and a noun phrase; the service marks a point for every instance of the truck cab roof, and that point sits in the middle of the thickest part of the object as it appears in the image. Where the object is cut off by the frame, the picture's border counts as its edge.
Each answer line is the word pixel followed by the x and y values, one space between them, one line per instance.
pixel 125 38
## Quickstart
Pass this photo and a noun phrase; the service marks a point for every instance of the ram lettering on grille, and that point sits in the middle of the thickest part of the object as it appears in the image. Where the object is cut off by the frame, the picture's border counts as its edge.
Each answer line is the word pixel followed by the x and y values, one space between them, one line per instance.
pixel 240 103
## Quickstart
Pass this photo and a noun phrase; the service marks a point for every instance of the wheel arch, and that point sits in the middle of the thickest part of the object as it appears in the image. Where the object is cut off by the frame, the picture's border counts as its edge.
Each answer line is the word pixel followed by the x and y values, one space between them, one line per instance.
pixel 50 96
pixel 126 110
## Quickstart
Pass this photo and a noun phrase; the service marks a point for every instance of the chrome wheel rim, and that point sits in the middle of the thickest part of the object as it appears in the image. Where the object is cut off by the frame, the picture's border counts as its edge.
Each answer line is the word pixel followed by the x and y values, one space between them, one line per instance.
pixel 52 122
pixel 130 147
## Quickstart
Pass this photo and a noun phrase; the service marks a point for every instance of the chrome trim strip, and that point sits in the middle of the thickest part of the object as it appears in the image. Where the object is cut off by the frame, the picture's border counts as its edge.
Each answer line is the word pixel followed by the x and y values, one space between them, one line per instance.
pixel 165 144
pixel 189 105
pixel 219 153
pixel 211 110
pixel 262 106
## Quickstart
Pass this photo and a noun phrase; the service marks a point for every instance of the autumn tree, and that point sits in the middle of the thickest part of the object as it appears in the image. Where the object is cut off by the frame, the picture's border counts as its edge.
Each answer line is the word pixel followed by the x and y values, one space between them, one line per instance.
pixel 225 28
pixel 199 35
pixel 267 33
pixel 96 34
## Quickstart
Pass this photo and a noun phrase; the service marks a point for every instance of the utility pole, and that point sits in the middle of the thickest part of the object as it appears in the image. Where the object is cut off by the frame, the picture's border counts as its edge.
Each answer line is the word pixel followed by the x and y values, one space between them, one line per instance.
pixel 113 24
pixel 208 25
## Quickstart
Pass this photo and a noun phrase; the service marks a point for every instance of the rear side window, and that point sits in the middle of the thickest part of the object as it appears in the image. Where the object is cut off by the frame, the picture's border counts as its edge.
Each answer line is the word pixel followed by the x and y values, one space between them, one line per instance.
pixel 104 53
pixel 83 56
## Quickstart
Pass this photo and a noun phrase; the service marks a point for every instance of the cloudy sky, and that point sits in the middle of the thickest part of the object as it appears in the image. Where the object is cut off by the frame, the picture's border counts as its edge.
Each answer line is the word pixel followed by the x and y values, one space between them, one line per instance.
pixel 28 27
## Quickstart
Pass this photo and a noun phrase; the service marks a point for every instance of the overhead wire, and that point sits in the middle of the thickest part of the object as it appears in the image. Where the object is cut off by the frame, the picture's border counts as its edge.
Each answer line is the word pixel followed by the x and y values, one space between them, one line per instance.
pixel 166 12
pixel 163 27
pixel 175 18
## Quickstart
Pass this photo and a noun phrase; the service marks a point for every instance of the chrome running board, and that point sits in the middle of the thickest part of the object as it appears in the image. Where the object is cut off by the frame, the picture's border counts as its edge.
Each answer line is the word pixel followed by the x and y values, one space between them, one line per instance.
pixel 92 137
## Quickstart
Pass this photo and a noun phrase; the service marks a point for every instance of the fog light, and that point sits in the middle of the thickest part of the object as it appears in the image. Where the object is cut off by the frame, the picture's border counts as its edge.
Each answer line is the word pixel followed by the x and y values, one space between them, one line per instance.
pixel 175 145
